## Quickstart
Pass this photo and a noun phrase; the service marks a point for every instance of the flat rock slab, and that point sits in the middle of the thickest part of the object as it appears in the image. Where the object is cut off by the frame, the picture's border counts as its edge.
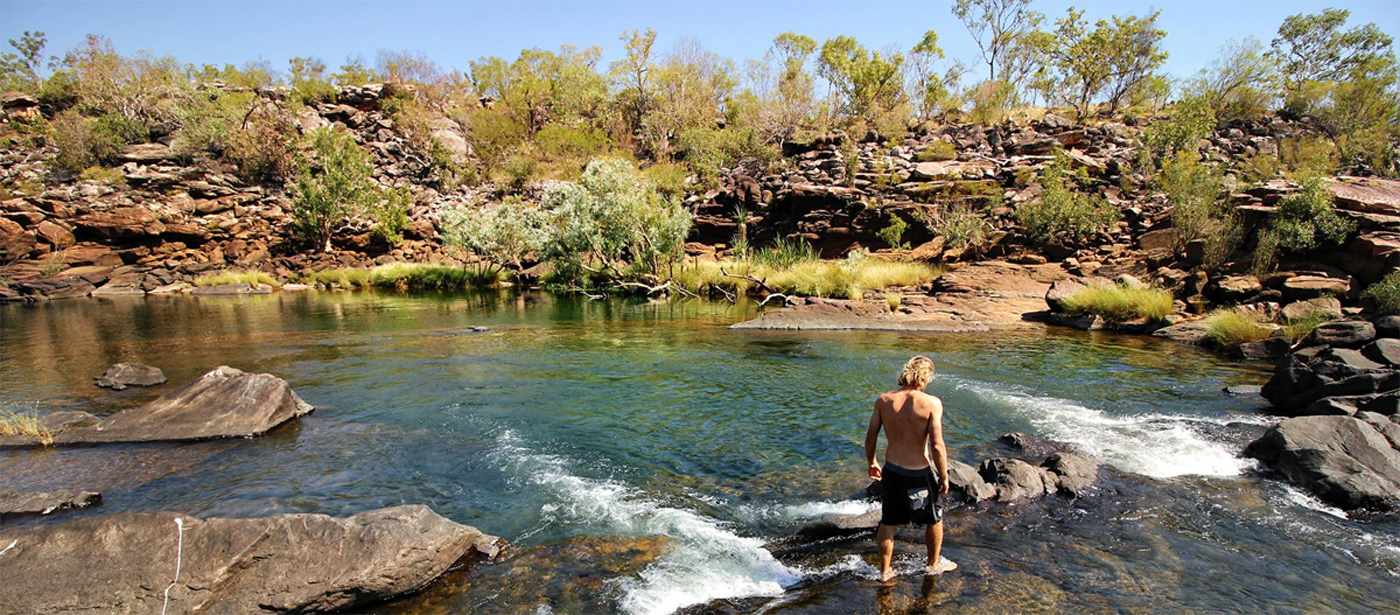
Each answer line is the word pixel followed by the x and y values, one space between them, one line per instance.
pixel 122 375
pixel 301 563
pixel 14 502
pixel 224 403
pixel 1348 462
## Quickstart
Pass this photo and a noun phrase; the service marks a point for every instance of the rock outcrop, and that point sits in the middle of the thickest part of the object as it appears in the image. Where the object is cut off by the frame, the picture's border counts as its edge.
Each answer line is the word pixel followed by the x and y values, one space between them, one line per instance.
pixel 1350 462
pixel 122 375
pixel 300 563
pixel 224 403
pixel 13 503
pixel 1340 368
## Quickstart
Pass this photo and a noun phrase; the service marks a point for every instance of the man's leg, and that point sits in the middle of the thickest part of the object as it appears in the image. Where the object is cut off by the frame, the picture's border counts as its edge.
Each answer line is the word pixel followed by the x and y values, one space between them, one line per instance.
pixel 884 539
pixel 933 540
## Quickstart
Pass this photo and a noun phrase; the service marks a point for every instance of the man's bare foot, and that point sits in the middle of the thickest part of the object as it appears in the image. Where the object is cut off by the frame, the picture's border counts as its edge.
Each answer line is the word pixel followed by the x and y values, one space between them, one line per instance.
pixel 944 565
pixel 888 575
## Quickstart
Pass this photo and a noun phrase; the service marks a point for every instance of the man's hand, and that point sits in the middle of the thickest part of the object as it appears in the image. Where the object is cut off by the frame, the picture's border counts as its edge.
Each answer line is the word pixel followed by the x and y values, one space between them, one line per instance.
pixel 943 486
pixel 875 473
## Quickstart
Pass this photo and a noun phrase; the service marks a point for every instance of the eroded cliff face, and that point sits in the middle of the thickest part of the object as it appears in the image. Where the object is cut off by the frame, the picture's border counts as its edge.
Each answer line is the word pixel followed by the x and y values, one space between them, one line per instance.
pixel 162 219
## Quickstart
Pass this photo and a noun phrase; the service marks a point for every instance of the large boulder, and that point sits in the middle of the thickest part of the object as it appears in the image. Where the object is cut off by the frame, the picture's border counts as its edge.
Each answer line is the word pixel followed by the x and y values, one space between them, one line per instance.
pixel 122 375
pixel 224 403
pixel 1061 290
pixel 300 563
pixel 1014 479
pixel 1073 474
pixel 1348 333
pixel 1315 373
pixel 1346 461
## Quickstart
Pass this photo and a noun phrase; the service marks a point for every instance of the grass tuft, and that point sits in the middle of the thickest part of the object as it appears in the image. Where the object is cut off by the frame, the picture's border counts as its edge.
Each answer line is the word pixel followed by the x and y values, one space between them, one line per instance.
pixel 407 276
pixel 1232 327
pixel 15 424
pixel 252 278
pixel 1119 303
pixel 808 278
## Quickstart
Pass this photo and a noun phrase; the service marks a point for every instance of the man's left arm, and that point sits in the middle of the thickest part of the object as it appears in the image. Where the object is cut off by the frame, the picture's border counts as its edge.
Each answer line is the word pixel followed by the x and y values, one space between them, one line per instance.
pixel 872 439
pixel 935 438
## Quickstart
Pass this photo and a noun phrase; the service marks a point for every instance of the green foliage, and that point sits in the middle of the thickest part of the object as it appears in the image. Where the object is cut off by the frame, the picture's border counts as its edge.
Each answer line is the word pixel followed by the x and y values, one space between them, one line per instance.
pixel 335 182
pixel 509 233
pixel 1385 294
pixel 84 141
pixel 785 253
pixel 494 135
pixel 1308 156
pixel 307 76
pixel 991 102
pixel 407 277
pixel 19 70
pixel 1192 120
pixel 208 121
pixel 1201 207
pixel 937 151
pixel 848 279
pixel 1120 303
pixel 111 177
pixel 1232 327
pixel 1062 213
pixel 390 213
pixel 893 234
pixel 708 152
pixel 1004 31
pixel 1239 84
pixel 864 80
pixel 1314 48
pixel 251 278
pixel 1298 328
pixel 670 179
pixel 959 226
pixel 262 146
pixel 1110 61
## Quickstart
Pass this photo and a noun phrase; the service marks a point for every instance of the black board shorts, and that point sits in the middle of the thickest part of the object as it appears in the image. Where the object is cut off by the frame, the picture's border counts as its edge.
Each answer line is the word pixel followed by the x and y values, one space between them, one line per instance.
pixel 909 496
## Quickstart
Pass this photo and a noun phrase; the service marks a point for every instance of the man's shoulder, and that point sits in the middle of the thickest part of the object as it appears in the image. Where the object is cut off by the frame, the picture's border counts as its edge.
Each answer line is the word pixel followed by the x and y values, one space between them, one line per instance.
pixel 930 401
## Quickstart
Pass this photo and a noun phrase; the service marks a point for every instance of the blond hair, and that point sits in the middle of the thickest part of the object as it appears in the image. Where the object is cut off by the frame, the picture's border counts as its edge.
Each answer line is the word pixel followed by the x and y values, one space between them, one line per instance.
pixel 918 372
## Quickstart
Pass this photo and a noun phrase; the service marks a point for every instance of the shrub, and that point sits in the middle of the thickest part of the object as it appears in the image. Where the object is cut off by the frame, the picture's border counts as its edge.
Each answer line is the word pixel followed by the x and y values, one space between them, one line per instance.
pixel 991 101
pixel 508 233
pixel 1302 222
pixel 1308 156
pixel 1120 303
pixel 335 183
pixel 209 119
pixel 407 276
pixel 612 220
pixel 937 151
pixel 1191 121
pixel 1063 213
pixel 893 234
pixel 390 213
pixel 569 149
pixel 1232 327
pixel 1299 328
pixel 262 147
pixel 959 227
pixel 670 179
pixel 83 141
pixel 1385 294
pixel 1200 207
pixel 708 152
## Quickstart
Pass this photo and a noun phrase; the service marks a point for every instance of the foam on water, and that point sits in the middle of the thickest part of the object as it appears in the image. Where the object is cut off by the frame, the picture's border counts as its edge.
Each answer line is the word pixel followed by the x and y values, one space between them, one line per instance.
pixel 1156 445
pixel 704 561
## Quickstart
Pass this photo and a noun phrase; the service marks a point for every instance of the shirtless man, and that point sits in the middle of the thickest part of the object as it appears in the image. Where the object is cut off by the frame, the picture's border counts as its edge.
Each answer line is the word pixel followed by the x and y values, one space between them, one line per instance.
pixel 913 423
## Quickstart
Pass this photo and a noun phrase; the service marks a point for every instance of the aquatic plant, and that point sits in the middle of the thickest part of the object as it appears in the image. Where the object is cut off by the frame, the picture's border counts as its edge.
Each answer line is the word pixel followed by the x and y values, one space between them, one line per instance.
pixel 1120 303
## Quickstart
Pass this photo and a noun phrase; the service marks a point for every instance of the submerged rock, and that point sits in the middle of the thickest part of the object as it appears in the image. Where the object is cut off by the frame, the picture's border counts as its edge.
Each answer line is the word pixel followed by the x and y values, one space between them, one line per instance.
pixel 223 403
pixel 1348 462
pixel 14 502
pixel 301 563
pixel 122 375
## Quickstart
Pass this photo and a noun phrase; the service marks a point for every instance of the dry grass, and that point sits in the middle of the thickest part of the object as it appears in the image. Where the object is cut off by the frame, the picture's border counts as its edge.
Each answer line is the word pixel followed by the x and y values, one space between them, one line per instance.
pixel 843 279
pixel 1119 303
pixel 1232 327
pixel 15 424
pixel 251 278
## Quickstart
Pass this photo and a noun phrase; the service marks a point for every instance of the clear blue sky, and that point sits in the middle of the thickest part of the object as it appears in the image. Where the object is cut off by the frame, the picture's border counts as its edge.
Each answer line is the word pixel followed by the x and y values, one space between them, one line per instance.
pixel 454 33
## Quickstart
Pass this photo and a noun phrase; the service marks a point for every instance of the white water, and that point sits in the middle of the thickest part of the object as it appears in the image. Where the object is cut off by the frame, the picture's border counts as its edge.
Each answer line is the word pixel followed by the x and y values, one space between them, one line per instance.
pixel 1156 445
pixel 704 561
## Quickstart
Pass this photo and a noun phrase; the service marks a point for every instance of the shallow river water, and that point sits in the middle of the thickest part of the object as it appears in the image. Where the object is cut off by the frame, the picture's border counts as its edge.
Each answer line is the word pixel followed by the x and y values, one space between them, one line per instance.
pixel 645 459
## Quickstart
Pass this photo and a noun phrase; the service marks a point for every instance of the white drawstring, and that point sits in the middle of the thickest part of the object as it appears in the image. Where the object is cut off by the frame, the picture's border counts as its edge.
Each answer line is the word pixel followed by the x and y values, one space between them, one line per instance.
pixel 12 545
pixel 179 552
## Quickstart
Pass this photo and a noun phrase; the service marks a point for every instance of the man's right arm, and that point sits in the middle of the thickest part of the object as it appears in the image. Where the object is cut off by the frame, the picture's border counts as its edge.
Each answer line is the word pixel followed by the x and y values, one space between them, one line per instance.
pixel 872 439
pixel 935 436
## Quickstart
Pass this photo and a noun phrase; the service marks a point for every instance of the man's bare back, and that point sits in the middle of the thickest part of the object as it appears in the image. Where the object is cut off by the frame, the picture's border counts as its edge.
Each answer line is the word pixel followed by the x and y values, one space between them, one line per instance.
pixel 913 424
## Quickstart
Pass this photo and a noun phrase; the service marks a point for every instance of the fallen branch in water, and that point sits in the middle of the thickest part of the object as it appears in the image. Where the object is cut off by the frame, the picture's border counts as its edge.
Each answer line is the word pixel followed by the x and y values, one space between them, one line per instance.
pixel 584 292
pixel 762 284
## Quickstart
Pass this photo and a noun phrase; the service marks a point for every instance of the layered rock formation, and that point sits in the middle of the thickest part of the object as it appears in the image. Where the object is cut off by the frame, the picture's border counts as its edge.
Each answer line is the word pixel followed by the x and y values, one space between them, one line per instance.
pixel 300 563
pixel 224 403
